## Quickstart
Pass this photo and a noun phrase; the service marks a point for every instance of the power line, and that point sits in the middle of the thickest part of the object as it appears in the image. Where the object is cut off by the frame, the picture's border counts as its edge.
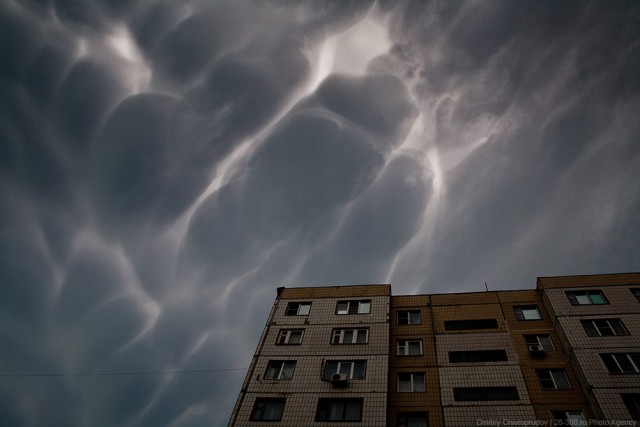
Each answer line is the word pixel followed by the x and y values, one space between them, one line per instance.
pixel 121 374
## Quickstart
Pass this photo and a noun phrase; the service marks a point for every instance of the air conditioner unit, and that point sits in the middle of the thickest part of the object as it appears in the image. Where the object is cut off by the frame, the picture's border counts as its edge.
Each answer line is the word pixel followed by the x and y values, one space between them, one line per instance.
pixel 339 380
pixel 536 348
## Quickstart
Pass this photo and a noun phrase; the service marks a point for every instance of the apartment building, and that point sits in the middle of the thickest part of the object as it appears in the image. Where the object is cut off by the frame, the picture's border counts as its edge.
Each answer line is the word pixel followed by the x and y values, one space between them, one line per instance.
pixel 565 353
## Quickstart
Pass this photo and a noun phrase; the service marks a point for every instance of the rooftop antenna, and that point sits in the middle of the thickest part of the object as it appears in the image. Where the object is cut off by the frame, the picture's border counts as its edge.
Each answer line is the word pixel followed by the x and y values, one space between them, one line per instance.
pixel 486 287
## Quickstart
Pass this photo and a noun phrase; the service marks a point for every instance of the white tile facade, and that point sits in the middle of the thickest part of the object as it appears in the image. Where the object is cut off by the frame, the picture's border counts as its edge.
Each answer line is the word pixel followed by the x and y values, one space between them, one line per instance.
pixel 307 384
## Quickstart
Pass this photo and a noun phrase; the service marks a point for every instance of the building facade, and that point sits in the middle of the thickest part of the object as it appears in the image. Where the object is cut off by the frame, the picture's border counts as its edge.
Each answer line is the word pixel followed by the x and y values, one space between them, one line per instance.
pixel 565 353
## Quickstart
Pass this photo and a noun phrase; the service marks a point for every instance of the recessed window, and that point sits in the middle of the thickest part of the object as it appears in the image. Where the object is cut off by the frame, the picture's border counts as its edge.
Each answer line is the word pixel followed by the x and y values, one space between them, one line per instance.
pixel 409 347
pixel 604 327
pixel 553 379
pixel 636 293
pixel 568 418
pixel 467 394
pixel 622 363
pixel 298 308
pixel 280 369
pixel 353 369
pixel 413 419
pixel 268 409
pixel 331 409
pixel 409 317
pixel 543 341
pixel 354 307
pixel 477 356
pixel 632 402
pixel 461 325
pixel 350 336
pixel 527 312
pixel 587 297
pixel 290 336
pixel 411 382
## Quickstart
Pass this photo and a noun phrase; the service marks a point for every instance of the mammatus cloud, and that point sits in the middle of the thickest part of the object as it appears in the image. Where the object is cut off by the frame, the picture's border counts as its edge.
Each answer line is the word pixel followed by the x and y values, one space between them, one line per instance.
pixel 164 166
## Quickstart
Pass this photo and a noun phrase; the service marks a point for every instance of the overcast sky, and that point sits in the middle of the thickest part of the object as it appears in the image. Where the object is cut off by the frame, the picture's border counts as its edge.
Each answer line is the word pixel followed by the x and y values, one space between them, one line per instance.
pixel 166 165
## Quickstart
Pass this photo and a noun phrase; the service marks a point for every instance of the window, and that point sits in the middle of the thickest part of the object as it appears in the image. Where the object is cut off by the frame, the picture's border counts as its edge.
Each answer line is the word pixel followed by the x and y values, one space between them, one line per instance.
pixel 632 402
pixel 636 293
pixel 268 409
pixel 460 325
pixel 622 363
pixel 280 369
pixel 553 379
pixel 330 409
pixel 413 419
pixel 587 297
pixel 353 369
pixel 353 307
pixel 350 336
pixel 477 356
pixel 604 327
pixel 409 347
pixel 466 394
pixel 541 340
pixel 568 418
pixel 527 312
pixel 409 317
pixel 290 336
pixel 298 309
pixel 411 382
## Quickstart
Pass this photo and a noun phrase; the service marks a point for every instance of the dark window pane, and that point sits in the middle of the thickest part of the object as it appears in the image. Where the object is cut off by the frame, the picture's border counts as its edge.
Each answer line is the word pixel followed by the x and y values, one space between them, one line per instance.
pixel 464 394
pixel 477 356
pixel 459 325
pixel 632 402
pixel 268 409
pixel 358 370
pixel 330 409
pixel 403 317
pixel 610 363
pixel 414 317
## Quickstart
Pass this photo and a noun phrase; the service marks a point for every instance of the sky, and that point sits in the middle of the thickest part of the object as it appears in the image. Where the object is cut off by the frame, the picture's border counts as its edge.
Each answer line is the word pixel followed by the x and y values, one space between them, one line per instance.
pixel 166 165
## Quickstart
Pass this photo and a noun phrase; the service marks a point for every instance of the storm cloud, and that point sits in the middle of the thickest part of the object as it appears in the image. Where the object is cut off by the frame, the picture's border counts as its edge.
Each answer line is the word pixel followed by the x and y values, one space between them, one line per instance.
pixel 165 166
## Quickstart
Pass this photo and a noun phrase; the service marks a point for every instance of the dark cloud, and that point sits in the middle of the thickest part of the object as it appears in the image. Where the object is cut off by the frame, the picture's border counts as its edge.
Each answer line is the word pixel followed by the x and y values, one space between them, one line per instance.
pixel 164 166
pixel 141 168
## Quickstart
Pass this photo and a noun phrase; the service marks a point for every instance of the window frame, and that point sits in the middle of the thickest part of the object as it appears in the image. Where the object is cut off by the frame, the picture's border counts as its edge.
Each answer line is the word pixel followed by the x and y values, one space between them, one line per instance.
pixel 355 334
pixel 586 297
pixel 553 377
pixel 539 341
pixel 405 419
pixel 486 393
pixel 412 382
pixel 284 364
pixel 296 306
pixel 325 404
pixel 617 360
pixel 409 313
pixel 263 401
pixel 326 375
pixel 407 346
pixel 519 311
pixel 636 293
pixel 349 310
pixel 612 327
pixel 287 334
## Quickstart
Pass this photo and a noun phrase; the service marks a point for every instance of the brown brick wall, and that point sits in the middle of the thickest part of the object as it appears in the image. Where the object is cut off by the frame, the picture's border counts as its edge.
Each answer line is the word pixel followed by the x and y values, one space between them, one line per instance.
pixel 354 291
pixel 591 280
